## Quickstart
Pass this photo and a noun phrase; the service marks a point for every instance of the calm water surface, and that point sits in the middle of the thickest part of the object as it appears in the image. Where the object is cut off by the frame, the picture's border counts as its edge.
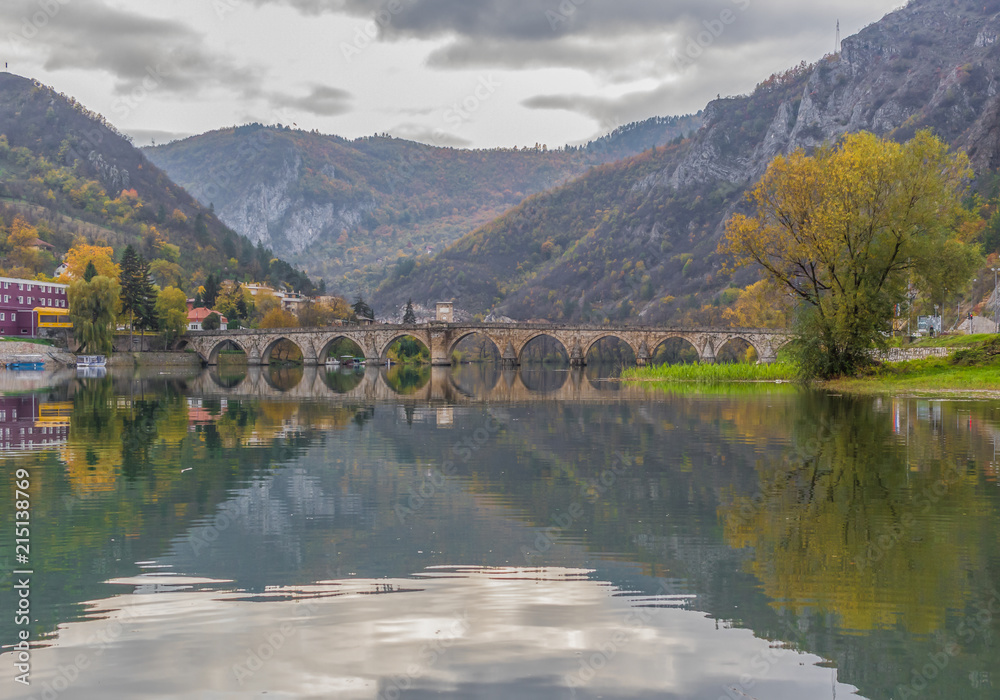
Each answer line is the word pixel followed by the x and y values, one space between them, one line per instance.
pixel 478 534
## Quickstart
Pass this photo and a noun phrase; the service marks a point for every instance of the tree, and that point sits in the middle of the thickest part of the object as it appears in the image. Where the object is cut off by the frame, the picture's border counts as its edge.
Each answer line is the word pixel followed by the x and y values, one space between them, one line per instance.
pixel 361 309
pixel 409 317
pixel 847 229
pixel 279 318
pixel 171 312
pixel 211 292
pixel 761 305
pixel 212 322
pixel 137 295
pixel 92 307
pixel 91 271
pixel 102 257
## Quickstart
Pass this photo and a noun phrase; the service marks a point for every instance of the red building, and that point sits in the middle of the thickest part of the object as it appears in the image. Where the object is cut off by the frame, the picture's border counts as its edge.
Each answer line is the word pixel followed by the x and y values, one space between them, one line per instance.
pixel 26 305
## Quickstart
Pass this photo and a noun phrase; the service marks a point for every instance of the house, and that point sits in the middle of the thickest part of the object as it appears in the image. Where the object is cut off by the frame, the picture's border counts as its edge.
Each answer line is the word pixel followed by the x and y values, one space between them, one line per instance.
pixel 197 316
pixel 27 305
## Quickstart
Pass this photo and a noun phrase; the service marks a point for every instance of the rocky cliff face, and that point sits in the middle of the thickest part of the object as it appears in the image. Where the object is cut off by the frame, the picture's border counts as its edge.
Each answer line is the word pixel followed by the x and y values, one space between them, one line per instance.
pixel 273 214
pixel 644 246
pixel 932 64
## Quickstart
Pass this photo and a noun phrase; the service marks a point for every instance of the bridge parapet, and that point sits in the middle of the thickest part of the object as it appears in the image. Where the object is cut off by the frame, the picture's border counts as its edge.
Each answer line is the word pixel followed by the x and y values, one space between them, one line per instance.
pixel 510 340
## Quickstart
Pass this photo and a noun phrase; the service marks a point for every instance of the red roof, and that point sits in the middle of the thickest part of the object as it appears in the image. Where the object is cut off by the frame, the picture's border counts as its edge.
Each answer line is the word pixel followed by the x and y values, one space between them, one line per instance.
pixel 201 313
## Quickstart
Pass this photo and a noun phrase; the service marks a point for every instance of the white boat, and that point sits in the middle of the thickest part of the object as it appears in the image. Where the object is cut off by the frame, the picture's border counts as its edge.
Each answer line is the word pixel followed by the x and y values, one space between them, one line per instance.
pixel 90 361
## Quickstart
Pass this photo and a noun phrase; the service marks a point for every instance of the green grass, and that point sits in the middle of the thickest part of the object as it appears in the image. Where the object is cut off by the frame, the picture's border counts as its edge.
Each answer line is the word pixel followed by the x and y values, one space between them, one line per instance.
pixel 950 341
pixel 33 341
pixel 709 374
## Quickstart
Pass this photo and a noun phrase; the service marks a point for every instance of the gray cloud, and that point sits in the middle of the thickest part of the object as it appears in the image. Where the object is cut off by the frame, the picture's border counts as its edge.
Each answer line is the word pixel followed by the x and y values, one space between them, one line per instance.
pixel 322 100
pixel 432 137
pixel 146 137
pixel 142 53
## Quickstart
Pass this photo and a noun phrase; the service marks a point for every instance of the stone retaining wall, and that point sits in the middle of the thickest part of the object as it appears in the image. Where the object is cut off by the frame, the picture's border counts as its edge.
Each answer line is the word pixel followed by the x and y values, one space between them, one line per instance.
pixel 904 354
pixel 155 359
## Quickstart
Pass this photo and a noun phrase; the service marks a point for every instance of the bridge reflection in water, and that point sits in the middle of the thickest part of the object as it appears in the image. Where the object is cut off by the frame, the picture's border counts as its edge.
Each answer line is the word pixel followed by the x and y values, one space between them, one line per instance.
pixel 465 383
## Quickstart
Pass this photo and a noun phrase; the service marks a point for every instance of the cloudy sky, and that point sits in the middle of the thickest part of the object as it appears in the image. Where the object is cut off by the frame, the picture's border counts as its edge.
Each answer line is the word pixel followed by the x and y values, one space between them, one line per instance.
pixel 476 73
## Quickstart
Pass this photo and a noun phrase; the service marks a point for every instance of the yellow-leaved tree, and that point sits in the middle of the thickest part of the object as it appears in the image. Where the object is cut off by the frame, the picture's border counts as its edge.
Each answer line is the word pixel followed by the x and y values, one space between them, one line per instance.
pixel 103 258
pixel 847 229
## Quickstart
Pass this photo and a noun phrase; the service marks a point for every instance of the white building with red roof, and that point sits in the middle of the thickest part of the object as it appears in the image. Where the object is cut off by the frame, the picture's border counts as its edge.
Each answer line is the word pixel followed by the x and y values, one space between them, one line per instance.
pixel 197 316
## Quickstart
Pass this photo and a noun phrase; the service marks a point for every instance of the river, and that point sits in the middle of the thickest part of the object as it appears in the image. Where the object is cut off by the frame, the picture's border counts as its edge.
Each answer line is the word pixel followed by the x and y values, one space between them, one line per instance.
pixel 472 533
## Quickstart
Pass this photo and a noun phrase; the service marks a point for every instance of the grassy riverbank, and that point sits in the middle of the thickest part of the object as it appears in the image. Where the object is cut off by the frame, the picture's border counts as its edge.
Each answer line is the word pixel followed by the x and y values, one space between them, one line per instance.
pixel 710 374
pixel 974 367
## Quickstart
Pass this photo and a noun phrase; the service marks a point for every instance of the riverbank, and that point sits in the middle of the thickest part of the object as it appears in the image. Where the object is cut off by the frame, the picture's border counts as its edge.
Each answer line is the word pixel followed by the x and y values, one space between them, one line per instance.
pixel 715 373
pixel 972 368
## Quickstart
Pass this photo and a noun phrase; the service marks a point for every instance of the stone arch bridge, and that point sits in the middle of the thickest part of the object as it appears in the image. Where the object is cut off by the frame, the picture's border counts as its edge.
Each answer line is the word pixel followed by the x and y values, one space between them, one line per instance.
pixel 510 340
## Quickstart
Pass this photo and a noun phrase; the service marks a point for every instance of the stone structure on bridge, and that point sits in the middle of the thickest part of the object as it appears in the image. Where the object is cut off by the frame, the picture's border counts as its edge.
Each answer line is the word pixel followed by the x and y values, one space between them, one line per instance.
pixel 510 340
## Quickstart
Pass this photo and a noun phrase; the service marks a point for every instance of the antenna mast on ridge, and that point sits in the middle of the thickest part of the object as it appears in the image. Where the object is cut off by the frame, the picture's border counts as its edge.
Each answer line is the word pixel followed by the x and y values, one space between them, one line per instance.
pixel 837 47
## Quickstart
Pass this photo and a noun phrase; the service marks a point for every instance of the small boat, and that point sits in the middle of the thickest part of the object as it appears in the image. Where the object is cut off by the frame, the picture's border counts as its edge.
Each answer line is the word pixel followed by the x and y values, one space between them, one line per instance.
pixel 90 361
pixel 332 362
pixel 27 363
pixel 346 360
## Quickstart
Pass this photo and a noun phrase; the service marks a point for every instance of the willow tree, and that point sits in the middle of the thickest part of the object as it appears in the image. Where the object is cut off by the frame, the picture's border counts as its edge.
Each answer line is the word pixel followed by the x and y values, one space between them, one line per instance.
pixel 92 310
pixel 847 230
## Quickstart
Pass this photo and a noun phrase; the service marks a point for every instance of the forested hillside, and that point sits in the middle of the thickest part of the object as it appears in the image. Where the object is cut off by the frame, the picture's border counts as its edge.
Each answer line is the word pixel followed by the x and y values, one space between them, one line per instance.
pixel 637 239
pixel 353 212
pixel 69 174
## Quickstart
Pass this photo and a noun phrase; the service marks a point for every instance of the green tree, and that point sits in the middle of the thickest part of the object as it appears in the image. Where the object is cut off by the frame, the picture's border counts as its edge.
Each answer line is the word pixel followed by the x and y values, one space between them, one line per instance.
pixel 90 272
pixel 138 298
pixel 211 293
pixel 212 322
pixel 409 317
pixel 171 312
pixel 92 307
pixel 361 309
pixel 847 229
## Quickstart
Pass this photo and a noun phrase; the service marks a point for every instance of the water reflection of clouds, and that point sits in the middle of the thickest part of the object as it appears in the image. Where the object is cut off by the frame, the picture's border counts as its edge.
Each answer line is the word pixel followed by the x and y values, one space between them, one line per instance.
pixel 454 632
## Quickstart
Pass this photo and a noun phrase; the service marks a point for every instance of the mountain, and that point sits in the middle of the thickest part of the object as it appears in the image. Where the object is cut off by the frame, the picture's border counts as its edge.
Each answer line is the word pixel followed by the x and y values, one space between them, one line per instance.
pixel 352 212
pixel 637 238
pixel 70 173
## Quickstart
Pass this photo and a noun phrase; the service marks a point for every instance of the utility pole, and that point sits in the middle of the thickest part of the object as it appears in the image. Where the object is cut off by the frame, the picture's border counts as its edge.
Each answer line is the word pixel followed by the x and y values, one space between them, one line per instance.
pixel 836 48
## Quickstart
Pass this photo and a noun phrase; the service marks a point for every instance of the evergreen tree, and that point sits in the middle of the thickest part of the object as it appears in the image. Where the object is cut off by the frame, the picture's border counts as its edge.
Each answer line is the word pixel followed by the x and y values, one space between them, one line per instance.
pixel 361 309
pixel 138 297
pixel 409 317
pixel 211 291
pixel 131 292
pixel 90 272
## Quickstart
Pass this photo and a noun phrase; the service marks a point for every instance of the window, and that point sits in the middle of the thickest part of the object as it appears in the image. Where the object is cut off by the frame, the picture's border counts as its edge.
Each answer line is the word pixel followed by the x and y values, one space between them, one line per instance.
pixel 6 298
pixel 2 316
pixel 29 301
pixel 20 286
pixel 13 316
pixel 20 300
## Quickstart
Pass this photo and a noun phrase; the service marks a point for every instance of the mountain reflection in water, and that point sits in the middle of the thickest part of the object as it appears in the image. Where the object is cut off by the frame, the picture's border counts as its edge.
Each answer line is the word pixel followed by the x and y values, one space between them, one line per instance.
pixel 475 532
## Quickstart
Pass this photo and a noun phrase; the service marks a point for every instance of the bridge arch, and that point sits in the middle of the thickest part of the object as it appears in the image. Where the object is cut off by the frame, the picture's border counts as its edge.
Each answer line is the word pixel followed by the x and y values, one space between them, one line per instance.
pixel 472 332
pixel 211 357
pixel 592 343
pixel 687 339
pixel 265 354
pixel 383 352
pixel 327 344
pixel 554 335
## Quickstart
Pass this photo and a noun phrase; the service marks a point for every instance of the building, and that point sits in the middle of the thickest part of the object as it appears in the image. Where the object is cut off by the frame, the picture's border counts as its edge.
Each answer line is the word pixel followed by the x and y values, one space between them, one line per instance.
pixel 28 423
pixel 197 316
pixel 445 311
pixel 27 305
